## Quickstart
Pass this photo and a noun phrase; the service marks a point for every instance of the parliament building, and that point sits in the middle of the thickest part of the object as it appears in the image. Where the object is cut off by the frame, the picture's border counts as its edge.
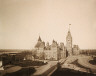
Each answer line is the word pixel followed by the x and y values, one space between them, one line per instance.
pixel 56 51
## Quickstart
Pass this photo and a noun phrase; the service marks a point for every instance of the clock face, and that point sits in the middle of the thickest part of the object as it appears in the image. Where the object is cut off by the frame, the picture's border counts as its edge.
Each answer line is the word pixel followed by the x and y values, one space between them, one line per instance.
pixel 69 39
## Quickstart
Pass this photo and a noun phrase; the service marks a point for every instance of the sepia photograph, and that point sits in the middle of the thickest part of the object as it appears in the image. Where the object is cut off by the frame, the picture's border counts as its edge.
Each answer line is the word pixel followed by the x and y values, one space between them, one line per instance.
pixel 47 37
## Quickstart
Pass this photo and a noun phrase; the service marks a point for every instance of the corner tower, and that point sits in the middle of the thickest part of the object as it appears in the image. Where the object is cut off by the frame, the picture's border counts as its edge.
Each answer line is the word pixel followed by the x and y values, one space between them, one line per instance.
pixel 69 42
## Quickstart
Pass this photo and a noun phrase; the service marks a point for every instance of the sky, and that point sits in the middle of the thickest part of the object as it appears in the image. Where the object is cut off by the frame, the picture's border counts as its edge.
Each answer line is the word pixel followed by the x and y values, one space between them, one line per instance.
pixel 22 21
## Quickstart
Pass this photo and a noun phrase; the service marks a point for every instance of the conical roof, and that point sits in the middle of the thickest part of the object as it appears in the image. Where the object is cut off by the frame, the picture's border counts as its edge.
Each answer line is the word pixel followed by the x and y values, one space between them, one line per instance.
pixel 39 39
pixel 38 45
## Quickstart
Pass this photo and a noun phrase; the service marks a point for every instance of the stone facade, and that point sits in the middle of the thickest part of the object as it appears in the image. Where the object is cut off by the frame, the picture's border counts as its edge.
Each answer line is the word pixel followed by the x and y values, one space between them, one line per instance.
pixel 76 50
pixel 51 52
pixel 56 51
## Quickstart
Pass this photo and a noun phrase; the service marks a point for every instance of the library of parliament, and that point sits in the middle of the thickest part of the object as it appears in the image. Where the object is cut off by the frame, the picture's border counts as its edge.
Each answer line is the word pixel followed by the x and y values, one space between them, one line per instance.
pixel 57 51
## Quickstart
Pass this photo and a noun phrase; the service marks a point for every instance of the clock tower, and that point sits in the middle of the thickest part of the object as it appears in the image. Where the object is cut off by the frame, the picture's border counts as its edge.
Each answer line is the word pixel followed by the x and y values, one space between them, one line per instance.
pixel 69 43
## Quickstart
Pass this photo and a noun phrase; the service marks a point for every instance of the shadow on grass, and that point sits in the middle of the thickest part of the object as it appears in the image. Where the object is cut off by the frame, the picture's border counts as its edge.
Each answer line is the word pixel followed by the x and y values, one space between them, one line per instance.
pixel 93 62
pixel 23 72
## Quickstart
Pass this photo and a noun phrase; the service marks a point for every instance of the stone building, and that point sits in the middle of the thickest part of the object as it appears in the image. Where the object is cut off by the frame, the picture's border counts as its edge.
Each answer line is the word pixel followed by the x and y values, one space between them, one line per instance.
pixel 63 50
pixel 57 51
pixel 40 46
pixel 50 52
pixel 76 50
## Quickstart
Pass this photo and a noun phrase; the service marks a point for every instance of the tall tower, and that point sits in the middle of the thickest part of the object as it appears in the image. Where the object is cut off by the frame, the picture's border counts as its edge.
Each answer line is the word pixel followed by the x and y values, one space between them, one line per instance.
pixel 69 42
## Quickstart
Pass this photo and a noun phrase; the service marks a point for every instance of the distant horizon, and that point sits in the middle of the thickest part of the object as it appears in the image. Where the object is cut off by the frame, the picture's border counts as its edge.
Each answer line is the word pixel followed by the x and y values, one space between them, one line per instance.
pixel 35 48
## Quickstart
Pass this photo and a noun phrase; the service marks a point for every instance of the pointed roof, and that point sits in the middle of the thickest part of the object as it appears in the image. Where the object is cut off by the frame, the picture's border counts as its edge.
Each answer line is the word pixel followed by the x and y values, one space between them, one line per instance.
pixel 53 40
pixel 38 45
pixel 39 39
pixel 69 34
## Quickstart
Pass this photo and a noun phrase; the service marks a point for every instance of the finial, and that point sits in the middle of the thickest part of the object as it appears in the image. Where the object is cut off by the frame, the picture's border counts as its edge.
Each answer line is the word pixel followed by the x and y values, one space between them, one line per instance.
pixel 53 40
pixel 69 27
pixel 39 39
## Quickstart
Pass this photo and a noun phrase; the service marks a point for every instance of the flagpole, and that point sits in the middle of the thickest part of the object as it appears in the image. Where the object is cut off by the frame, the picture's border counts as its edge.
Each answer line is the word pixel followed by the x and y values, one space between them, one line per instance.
pixel 69 27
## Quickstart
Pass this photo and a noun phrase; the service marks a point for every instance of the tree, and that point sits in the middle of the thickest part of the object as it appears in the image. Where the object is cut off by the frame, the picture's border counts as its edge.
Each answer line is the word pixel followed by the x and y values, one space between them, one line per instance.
pixel 42 56
pixel 33 53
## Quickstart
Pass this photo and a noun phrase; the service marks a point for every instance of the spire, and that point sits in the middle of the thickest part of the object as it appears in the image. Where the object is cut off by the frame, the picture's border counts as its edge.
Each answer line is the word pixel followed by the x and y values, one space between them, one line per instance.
pixel 39 39
pixel 69 27
pixel 69 33
pixel 53 40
